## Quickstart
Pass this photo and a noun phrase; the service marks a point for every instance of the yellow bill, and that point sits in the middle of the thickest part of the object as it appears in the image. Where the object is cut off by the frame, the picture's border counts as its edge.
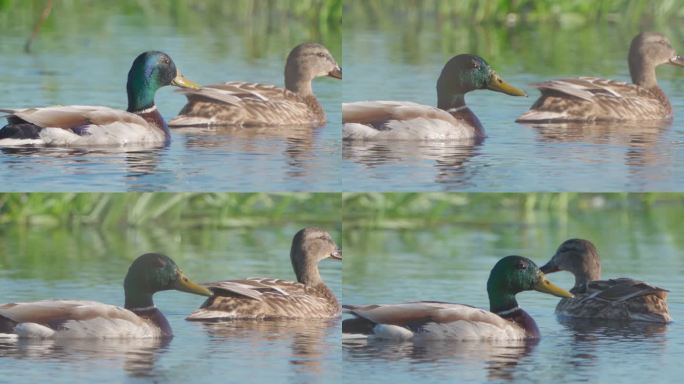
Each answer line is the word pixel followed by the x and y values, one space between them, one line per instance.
pixel 545 286
pixel 184 284
pixel 181 81
pixel 496 83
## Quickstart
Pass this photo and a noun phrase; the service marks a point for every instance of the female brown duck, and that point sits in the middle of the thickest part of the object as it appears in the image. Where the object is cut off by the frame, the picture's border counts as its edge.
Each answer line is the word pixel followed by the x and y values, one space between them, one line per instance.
pixel 614 299
pixel 595 99
pixel 267 298
pixel 259 105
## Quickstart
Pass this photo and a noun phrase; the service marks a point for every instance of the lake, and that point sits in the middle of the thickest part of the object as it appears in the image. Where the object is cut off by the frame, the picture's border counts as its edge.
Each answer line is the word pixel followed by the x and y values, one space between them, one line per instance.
pixel 88 264
pixel 399 57
pixel 451 262
pixel 77 61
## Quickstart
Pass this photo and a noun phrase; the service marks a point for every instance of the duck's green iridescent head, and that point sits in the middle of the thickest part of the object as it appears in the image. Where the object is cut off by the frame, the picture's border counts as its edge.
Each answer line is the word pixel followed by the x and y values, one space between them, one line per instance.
pixel 465 73
pixel 150 71
pixel 153 272
pixel 514 274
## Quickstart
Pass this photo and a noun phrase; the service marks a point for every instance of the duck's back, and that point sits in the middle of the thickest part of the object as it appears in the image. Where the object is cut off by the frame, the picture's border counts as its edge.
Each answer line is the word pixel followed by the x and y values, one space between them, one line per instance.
pixel 74 319
pixel 262 298
pixel 431 320
pixel 620 299
pixel 248 105
pixel 403 120
pixel 587 99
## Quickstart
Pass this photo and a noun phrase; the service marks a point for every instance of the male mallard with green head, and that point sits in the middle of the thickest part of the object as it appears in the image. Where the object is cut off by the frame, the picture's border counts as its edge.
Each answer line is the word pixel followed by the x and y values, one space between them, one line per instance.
pixel 614 299
pixel 268 298
pixel 451 120
pixel 73 319
pixel 259 105
pixel 587 99
pixel 79 125
pixel 434 320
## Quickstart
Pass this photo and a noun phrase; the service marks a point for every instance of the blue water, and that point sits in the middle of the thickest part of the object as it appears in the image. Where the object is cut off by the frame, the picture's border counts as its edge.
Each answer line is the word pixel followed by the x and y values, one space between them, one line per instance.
pixel 75 67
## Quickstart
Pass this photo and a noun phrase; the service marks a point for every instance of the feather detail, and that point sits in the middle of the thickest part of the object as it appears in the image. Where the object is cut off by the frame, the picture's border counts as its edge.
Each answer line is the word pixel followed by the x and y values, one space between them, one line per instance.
pixel 265 298
pixel 84 125
pixel 395 120
pixel 618 299
pixel 435 321
pixel 595 99
pixel 247 105
pixel 76 319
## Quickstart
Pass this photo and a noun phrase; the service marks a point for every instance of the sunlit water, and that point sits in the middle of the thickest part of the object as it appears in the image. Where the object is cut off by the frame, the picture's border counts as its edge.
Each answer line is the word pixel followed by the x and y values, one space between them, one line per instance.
pixel 89 265
pixel 385 63
pixel 75 67
pixel 452 263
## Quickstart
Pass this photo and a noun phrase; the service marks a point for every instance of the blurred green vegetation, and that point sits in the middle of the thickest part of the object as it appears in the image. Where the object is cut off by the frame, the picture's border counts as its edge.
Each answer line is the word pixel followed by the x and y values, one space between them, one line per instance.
pixel 510 12
pixel 554 38
pixel 448 237
pixel 56 236
pixel 169 210
pixel 262 23
pixel 417 210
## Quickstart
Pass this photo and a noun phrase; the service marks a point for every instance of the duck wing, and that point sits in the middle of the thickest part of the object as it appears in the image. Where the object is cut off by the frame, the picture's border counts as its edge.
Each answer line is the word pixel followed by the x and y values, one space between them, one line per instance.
pixel 430 320
pixel 596 99
pixel 623 289
pixel 255 288
pixel 620 299
pixel 73 319
pixel 248 105
pixel 264 298
pixel 73 116
pixel 399 120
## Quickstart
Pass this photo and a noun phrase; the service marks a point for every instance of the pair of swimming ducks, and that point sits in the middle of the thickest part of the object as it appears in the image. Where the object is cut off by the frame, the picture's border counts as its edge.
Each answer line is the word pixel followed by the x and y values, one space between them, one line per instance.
pixel 230 104
pixel 309 298
pixel 580 100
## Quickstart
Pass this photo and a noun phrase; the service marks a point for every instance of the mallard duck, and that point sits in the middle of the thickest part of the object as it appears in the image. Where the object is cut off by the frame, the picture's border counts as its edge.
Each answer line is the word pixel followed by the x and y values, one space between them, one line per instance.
pixel 257 105
pixel 594 99
pixel 268 298
pixel 431 320
pixel 73 319
pixel 614 299
pixel 451 120
pixel 77 125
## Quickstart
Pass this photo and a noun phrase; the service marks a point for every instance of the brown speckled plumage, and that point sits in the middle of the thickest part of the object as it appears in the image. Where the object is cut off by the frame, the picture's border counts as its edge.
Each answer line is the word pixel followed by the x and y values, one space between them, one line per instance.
pixel 587 99
pixel 254 105
pixel 615 299
pixel 267 298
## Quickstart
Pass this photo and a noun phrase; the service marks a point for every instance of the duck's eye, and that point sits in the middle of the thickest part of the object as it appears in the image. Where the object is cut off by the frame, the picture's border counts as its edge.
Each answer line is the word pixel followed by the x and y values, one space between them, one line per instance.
pixel 320 54
pixel 476 64
pixel 521 265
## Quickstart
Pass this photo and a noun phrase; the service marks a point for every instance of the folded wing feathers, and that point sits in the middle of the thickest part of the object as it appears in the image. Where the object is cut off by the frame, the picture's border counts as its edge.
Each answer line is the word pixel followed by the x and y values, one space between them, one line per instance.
pixel 73 116
pixel 49 311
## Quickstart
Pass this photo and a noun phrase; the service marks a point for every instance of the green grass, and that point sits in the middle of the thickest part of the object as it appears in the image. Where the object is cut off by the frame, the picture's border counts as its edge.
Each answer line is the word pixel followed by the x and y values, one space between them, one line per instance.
pixel 111 210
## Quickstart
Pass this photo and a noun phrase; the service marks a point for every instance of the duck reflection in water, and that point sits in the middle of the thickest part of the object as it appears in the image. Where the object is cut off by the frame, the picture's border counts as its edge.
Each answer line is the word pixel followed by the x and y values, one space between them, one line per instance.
pixel 450 157
pixel 297 143
pixel 642 144
pixel 136 356
pixel 310 342
pixel 500 358
pixel 138 161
